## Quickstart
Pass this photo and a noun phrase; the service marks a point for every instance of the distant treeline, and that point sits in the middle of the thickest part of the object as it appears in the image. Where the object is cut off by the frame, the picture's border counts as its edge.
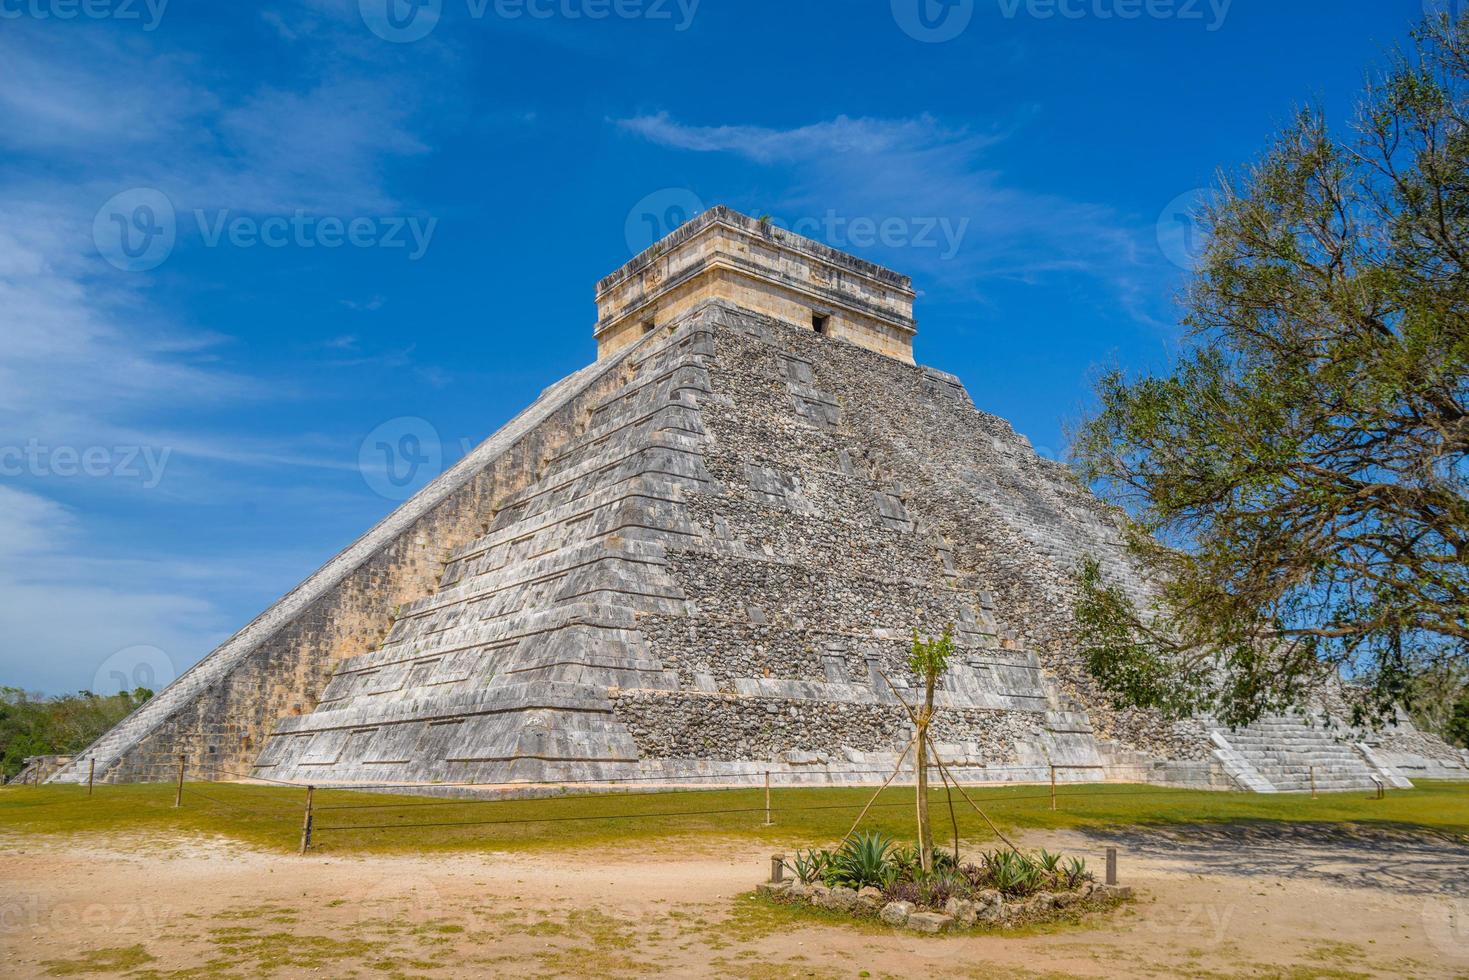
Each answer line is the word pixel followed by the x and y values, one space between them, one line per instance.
pixel 32 724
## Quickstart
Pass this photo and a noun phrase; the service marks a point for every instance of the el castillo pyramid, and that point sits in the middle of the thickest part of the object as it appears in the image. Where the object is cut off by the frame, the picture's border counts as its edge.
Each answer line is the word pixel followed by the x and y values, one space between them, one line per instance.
pixel 700 559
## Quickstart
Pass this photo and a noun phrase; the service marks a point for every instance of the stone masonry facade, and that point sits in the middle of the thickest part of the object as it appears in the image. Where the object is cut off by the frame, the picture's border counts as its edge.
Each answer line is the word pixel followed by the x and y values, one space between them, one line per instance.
pixel 703 558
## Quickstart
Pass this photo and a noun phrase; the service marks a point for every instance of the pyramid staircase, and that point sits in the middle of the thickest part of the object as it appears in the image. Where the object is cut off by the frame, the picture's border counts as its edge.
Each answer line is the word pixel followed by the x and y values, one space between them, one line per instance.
pixel 502 673
pixel 1293 754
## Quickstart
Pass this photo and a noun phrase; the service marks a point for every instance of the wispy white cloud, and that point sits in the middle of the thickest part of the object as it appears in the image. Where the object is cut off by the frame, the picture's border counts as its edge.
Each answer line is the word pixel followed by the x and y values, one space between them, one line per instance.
pixel 916 169
pixel 91 358
pixel 66 612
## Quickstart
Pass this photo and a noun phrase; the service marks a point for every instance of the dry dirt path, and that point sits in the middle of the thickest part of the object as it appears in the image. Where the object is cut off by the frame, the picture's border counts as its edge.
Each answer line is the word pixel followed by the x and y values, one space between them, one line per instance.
pixel 1332 905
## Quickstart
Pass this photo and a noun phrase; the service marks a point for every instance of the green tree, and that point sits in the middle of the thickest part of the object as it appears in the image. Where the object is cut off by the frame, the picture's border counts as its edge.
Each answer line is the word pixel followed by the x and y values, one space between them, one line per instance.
pixel 1457 730
pixel 35 725
pixel 929 659
pixel 1297 483
pixel 1437 689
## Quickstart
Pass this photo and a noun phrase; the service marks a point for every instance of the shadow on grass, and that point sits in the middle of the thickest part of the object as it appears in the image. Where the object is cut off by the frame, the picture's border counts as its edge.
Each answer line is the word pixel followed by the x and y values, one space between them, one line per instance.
pixel 1402 858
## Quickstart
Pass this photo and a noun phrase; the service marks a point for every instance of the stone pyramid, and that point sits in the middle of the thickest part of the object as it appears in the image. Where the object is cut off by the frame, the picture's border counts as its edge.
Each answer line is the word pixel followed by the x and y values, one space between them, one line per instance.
pixel 700 559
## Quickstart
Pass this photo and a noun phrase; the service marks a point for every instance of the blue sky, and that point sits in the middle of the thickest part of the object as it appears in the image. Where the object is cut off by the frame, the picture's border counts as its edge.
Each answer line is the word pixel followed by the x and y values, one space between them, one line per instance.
pixel 245 245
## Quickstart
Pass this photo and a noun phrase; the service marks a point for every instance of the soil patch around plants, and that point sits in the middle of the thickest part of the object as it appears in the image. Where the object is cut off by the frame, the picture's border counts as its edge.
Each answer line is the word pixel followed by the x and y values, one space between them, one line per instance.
pixel 97 905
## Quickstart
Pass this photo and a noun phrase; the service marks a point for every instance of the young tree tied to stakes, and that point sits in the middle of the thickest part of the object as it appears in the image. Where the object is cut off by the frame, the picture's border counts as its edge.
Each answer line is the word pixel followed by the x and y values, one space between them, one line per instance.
pixel 929 659
pixel 1298 486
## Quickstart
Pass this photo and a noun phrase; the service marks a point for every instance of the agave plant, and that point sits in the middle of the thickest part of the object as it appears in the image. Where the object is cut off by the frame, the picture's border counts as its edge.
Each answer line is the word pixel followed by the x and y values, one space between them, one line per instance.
pixel 906 861
pixel 1074 871
pixel 862 861
pixel 811 865
pixel 1013 874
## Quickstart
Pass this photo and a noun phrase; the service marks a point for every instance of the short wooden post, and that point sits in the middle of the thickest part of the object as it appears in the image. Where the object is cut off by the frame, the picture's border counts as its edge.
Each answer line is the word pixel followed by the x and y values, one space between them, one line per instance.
pixel 1313 782
pixel 1381 788
pixel 91 774
pixel 777 868
pixel 768 821
pixel 1053 787
pixel 1111 865
pixel 306 821
pixel 178 793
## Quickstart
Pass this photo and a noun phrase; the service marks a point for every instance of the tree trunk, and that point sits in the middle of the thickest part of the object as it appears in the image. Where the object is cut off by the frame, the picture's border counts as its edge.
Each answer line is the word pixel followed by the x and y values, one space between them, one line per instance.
pixel 925 833
pixel 925 838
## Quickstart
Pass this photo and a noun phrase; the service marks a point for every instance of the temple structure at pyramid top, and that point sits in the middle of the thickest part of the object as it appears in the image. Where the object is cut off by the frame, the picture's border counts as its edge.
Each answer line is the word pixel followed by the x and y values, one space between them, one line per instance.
pixel 701 559
pixel 723 255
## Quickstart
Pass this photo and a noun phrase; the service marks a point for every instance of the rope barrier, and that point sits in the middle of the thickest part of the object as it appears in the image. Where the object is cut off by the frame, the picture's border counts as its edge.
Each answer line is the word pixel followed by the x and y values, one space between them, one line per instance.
pixel 719 812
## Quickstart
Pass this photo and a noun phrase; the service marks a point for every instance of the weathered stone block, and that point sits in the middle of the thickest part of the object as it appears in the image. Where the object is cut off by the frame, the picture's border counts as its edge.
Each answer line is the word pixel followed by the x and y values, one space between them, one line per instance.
pixel 931 922
pixel 896 913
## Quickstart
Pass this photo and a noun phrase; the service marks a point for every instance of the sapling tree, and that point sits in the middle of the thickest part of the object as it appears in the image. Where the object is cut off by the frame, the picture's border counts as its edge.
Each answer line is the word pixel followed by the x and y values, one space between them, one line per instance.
pixel 929 660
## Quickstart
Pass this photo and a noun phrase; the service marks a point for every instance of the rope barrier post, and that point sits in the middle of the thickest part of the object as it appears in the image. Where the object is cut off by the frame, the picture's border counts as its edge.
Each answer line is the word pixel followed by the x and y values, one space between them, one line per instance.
pixel 768 821
pixel 1053 786
pixel 777 868
pixel 91 774
pixel 1313 782
pixel 1112 866
pixel 306 821
pixel 178 793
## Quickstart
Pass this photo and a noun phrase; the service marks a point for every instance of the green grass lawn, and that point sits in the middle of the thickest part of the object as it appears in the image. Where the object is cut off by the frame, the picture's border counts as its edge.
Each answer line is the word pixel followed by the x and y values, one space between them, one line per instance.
pixel 348 822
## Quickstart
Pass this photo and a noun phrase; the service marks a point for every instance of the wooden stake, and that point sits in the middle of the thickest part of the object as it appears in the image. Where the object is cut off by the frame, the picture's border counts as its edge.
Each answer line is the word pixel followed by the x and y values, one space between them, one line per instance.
pixel 306 821
pixel 768 821
pixel 91 774
pixel 777 868
pixel 953 817
pixel 1111 865
pixel 178 793
pixel 959 786
pixel 1053 786
pixel 938 760
pixel 884 786
pixel 1313 782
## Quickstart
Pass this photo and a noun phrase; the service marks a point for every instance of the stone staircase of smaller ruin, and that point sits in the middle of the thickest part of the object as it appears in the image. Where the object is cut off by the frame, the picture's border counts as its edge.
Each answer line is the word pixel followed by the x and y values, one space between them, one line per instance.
pixel 1280 754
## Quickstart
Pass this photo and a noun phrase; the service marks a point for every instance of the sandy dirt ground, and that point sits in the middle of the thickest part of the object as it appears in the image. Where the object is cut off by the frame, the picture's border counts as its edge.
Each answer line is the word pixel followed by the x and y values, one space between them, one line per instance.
pixel 1229 901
